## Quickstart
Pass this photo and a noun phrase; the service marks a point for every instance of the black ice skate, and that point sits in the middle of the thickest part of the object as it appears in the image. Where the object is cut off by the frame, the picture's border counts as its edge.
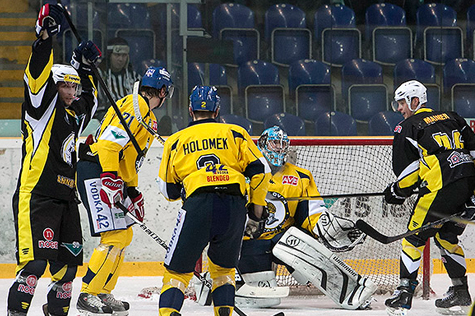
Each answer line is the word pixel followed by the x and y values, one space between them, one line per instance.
pixel 457 300
pixel 91 305
pixel 401 301
pixel 119 308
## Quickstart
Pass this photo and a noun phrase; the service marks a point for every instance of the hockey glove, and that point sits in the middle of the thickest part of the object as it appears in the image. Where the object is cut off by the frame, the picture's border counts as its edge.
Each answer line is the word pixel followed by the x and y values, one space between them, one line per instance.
pixel 255 226
pixel 111 189
pixel 393 194
pixel 137 201
pixel 469 212
pixel 84 55
pixel 49 19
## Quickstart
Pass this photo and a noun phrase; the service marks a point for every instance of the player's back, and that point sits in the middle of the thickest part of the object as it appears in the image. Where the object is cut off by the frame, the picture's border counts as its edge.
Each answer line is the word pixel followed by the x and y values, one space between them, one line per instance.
pixel 207 153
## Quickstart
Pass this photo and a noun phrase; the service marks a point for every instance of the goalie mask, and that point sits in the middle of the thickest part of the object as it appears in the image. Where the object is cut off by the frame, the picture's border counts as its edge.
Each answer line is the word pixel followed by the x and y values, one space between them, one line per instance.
pixel 409 90
pixel 274 145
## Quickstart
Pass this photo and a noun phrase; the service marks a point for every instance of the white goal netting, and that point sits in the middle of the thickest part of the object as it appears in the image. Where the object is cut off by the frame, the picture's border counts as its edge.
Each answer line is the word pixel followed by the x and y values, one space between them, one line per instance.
pixel 349 166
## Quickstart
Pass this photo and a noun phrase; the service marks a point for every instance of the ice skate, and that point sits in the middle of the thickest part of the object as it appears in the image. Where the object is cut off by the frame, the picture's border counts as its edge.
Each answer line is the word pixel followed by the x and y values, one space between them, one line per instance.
pixel 401 301
pixel 119 308
pixel 457 301
pixel 91 305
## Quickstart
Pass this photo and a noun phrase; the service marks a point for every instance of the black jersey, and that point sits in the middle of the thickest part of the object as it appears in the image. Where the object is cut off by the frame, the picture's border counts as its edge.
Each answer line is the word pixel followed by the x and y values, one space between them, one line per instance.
pixel 432 149
pixel 49 129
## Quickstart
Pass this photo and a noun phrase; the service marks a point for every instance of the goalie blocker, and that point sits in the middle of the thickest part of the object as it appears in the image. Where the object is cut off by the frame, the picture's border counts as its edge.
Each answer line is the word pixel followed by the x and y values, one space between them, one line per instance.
pixel 314 263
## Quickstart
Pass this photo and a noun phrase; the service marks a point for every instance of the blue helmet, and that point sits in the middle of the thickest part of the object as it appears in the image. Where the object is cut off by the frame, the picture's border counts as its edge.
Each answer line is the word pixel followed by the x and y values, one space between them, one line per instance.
pixel 204 98
pixel 274 145
pixel 157 77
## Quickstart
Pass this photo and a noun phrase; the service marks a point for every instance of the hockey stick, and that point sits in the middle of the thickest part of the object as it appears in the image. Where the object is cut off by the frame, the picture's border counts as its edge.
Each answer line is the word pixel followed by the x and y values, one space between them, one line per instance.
pixel 162 243
pixel 140 152
pixel 373 233
pixel 332 196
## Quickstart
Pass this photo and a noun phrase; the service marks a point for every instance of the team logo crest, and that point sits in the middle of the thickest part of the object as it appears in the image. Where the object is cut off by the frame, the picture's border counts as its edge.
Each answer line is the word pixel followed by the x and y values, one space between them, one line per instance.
pixel 68 148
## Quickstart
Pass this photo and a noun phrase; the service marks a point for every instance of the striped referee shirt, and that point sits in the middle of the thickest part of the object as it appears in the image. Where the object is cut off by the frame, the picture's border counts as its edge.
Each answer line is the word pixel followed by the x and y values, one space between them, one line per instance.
pixel 119 85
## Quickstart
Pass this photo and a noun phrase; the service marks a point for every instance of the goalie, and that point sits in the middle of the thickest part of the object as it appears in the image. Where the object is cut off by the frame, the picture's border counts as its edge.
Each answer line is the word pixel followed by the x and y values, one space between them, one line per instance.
pixel 294 234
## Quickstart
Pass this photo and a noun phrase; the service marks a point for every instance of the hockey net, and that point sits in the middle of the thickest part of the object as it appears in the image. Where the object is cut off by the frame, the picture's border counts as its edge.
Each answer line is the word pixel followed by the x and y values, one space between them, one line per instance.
pixel 358 165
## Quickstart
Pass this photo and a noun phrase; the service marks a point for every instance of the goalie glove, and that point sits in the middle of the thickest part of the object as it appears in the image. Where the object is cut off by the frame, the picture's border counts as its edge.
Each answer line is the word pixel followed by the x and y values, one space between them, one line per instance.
pixel 49 19
pixel 138 203
pixel 393 194
pixel 336 233
pixel 112 188
pixel 255 226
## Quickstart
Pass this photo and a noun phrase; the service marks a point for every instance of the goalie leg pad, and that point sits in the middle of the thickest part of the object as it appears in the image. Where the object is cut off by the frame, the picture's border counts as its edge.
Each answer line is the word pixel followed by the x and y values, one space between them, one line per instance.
pixel 315 263
pixel 263 279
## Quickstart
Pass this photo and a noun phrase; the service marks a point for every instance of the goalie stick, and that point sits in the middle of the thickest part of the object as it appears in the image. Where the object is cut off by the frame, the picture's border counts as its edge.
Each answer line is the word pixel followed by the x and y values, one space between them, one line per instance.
pixel 140 152
pixel 162 243
pixel 373 233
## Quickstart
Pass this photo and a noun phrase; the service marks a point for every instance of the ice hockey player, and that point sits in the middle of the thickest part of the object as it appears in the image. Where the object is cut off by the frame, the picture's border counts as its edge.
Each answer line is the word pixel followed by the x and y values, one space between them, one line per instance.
pixel 45 208
pixel 432 152
pixel 206 164
pixel 306 223
pixel 107 174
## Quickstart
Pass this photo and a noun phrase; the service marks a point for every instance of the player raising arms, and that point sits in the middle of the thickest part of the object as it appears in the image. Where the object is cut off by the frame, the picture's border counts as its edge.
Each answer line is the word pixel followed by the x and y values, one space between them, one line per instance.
pixel 432 151
pixel 299 220
pixel 110 167
pixel 47 224
pixel 206 164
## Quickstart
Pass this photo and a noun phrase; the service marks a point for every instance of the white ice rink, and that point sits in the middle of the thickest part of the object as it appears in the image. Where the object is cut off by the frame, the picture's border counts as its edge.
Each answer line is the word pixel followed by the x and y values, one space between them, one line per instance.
pixel 128 288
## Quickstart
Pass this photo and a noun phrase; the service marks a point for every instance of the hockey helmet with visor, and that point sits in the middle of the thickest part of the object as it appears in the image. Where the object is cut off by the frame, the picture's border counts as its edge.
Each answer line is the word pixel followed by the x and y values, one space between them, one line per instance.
pixel 66 74
pixel 204 98
pixel 409 90
pixel 274 145
pixel 158 77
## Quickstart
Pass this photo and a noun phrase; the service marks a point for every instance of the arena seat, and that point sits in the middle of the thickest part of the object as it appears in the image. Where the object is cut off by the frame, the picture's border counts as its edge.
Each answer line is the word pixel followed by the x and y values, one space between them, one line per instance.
pixel 420 70
pixel 291 124
pixel 363 88
pixel 219 79
pixel 235 22
pixel 238 120
pixel 459 81
pixel 310 85
pixel 335 30
pixel 335 124
pixel 263 93
pixel 127 16
pixel 386 29
pixel 141 43
pixel 287 33
pixel 383 123
pixel 437 29
pixel 471 29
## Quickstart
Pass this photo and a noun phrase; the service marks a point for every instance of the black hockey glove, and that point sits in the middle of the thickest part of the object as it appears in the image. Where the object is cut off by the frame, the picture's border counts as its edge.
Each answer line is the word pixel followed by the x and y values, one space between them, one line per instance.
pixel 49 19
pixel 255 226
pixel 469 212
pixel 84 55
pixel 393 194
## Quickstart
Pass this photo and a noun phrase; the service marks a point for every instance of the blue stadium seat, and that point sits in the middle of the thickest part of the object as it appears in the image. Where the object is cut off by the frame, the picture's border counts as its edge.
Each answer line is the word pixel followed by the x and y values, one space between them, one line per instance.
pixel 238 120
pixel 285 29
pixel 127 16
pixel 471 28
pixel 141 43
pixel 235 22
pixel 459 81
pixel 335 29
pixel 291 124
pixel 10 128
pixel 219 79
pixel 437 28
pixel 420 70
pixel 335 124
pixel 196 75
pixel 383 123
pixel 363 88
pixel 263 93
pixel 386 28
pixel 310 84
